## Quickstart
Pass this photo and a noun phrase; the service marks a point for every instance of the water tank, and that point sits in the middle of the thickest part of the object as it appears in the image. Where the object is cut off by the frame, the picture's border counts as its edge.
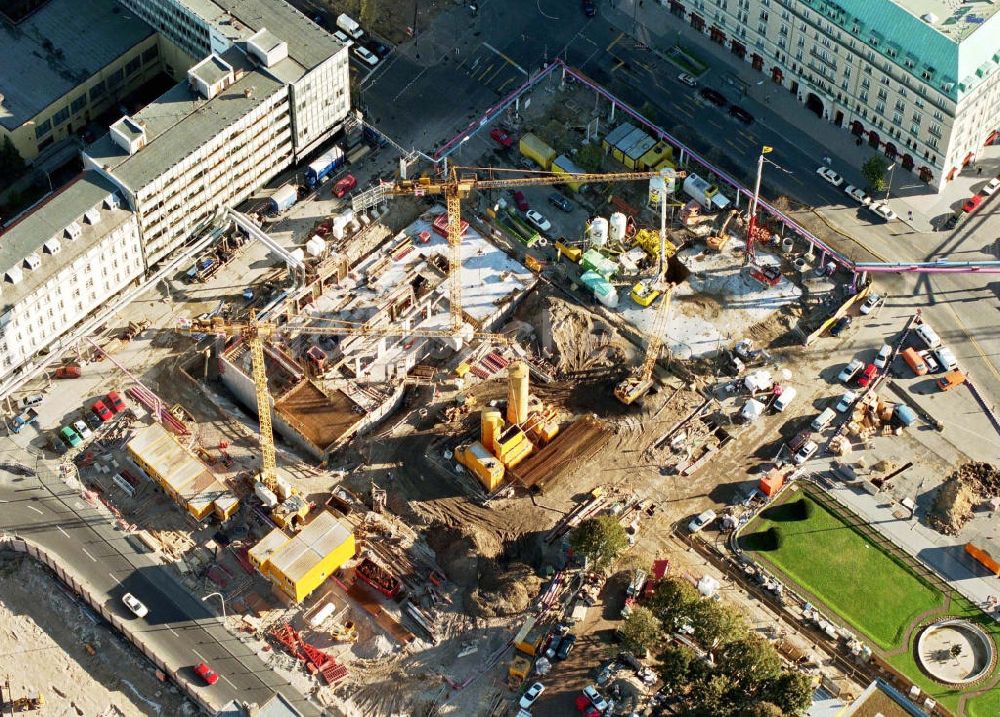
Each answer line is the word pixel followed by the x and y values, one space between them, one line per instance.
pixel 598 232
pixel 617 231
pixel 657 187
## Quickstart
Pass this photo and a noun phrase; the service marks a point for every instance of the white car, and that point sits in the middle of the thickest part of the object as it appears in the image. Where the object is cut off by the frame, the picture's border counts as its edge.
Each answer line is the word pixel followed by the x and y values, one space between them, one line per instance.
pixel 805 453
pixel 137 608
pixel 701 521
pixel 846 401
pixel 366 55
pixel 871 301
pixel 947 358
pixel 850 370
pixel 990 189
pixel 81 428
pixel 342 38
pixel 596 699
pixel 536 218
pixel 830 176
pixel 857 194
pixel 687 79
pixel 882 360
pixel 531 694
pixel 883 210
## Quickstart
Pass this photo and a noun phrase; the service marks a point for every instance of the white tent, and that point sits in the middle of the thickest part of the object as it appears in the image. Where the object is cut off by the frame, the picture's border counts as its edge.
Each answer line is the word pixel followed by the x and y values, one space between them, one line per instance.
pixel 758 381
pixel 752 410
pixel 708 586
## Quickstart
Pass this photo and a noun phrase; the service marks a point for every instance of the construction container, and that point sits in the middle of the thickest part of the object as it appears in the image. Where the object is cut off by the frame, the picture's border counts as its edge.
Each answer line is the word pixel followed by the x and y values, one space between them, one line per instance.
pixel 564 165
pixel 659 152
pixel 536 150
pixel 315 247
pixel 771 482
pixel 602 289
pixel 637 151
pixel 283 198
pixel 616 135
pixel 483 464
pixel 595 261
pixel 621 148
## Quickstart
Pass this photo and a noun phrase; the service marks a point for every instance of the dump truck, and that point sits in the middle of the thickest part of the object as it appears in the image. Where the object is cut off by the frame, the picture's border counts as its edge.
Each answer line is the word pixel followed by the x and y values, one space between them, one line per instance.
pixel 536 150
pixel 527 643
pixel 322 166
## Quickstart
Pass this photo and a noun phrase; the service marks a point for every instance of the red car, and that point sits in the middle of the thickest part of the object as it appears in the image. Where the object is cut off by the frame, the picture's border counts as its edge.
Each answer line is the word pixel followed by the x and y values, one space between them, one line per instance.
pixel 205 672
pixel 344 185
pixel 866 376
pixel 101 410
pixel 972 203
pixel 116 402
pixel 586 707
pixel 501 137
pixel 520 201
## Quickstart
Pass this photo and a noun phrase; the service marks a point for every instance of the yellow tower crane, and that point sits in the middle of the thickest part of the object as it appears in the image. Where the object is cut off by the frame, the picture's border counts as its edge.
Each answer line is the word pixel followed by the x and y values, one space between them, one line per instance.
pixel 456 187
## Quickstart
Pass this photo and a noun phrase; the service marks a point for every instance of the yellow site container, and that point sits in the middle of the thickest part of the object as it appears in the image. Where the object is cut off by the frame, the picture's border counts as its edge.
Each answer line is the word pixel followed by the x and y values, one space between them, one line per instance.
pixel 483 464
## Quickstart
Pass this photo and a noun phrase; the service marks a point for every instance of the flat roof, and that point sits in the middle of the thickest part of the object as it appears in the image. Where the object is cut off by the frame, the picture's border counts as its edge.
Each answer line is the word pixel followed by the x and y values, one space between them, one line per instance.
pixel 58 48
pixel 49 220
pixel 211 70
pixel 180 121
pixel 309 546
pixel 957 20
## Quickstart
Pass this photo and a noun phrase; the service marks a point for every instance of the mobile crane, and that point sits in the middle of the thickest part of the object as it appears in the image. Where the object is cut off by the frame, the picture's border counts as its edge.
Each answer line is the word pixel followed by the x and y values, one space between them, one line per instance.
pixel 636 385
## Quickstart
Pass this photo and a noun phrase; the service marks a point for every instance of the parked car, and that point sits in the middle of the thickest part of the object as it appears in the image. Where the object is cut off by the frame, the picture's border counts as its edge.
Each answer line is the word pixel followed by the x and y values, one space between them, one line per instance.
pixel 344 185
pixel 868 375
pixel 560 202
pixel 857 195
pixel 101 410
pixel 501 137
pixel 991 187
pixel 365 55
pixel 69 436
pixel 928 335
pixel 947 358
pixel 342 38
pixel 871 301
pixel 133 604
pixel 701 520
pixel 805 453
pixel 589 8
pixel 840 325
pixel 972 203
pixel 380 49
pixel 713 96
pixel 520 201
pixel 585 707
pixel 850 370
pixel 687 79
pixel 553 647
pixel 741 114
pixel 846 401
pixel 823 420
pixel 565 646
pixel 932 364
pixel 882 209
pixel 596 698
pixel 882 359
pixel 830 176
pixel 206 673
pixel 115 402
pixel 536 218
pixel 81 428
pixel 530 695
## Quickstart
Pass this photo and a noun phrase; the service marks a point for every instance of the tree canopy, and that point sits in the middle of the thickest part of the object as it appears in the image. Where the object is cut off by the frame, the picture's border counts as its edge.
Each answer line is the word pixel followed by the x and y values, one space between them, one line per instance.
pixel 599 539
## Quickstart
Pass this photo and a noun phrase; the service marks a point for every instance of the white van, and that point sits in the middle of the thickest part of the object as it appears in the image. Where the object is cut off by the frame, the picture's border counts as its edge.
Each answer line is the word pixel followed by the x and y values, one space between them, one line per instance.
pixel 784 398
pixel 823 420
pixel 348 25
pixel 928 336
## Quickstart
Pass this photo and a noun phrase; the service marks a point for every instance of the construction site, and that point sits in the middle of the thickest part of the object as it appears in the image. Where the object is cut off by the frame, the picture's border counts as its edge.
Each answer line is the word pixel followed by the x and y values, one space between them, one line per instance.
pixel 374 445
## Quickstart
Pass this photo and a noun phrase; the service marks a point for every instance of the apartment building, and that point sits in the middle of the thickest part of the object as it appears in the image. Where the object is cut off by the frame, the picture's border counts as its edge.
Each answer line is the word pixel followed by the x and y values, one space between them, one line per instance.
pixel 61 262
pixel 66 63
pixel 914 79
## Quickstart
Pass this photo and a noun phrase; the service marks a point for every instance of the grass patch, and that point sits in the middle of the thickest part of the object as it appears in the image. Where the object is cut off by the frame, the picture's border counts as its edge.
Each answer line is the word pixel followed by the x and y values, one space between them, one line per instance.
pixel 687 60
pixel 867 587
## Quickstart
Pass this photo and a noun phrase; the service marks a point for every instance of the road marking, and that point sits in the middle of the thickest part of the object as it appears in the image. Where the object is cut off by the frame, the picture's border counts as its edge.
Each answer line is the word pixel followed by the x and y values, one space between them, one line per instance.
pixel 200 656
pixel 115 579
pixel 975 344
pixel 618 66
pixel 172 630
pixel 31 507
pixel 88 554
pixel 230 683
pixel 485 72
pixel 490 47
pixel 59 528
pixel 615 41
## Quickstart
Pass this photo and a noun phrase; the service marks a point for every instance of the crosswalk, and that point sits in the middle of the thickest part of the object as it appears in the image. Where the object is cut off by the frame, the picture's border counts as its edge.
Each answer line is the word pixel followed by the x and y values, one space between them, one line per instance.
pixel 492 68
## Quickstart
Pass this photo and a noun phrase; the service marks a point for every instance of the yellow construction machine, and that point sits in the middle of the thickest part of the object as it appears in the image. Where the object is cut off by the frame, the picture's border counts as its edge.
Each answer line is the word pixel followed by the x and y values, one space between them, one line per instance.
pixel 641 380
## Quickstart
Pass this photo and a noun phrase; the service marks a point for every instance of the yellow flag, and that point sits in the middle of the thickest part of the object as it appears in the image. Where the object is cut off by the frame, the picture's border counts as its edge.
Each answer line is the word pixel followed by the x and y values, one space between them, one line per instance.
pixel 767 150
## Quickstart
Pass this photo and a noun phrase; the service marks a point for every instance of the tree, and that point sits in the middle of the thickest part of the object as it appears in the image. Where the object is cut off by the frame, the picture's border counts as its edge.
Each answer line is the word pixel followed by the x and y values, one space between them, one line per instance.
pixel 873 170
pixel 790 691
pixel 711 697
pixel 749 662
pixel 589 157
pixel 716 624
pixel 599 539
pixel 762 709
pixel 674 667
pixel 673 602
pixel 641 630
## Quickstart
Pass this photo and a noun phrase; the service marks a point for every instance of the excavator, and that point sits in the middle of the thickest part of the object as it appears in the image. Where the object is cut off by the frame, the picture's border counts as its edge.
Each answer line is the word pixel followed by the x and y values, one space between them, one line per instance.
pixel 641 380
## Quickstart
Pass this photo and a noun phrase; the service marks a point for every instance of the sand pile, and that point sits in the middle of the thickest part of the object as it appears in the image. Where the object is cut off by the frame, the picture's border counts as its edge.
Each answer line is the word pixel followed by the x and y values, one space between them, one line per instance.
pixel 970 484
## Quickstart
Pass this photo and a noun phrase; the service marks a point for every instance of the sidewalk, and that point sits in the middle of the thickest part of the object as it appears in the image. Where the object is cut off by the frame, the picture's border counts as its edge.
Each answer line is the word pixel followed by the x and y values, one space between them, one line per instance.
pixel 655 26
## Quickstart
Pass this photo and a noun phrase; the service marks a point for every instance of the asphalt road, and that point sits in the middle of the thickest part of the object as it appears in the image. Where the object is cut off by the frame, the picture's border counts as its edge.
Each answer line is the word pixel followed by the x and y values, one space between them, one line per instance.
pixel 180 629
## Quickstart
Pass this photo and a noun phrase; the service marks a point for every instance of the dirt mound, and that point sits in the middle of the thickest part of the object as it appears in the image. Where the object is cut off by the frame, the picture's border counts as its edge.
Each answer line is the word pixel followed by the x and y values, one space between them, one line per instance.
pixel 971 483
pixel 506 593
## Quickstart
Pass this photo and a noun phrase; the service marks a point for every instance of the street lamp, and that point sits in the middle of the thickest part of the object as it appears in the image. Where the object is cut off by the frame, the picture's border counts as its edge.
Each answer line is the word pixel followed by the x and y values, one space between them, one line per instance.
pixel 221 600
pixel 888 187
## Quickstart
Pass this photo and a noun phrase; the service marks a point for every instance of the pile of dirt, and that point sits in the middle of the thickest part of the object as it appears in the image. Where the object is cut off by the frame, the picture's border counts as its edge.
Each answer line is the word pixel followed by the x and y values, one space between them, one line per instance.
pixel 507 593
pixel 970 484
pixel 580 339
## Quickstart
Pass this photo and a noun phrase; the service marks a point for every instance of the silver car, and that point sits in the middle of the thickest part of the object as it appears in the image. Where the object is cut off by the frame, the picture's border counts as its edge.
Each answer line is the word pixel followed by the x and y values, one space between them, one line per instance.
pixel 133 604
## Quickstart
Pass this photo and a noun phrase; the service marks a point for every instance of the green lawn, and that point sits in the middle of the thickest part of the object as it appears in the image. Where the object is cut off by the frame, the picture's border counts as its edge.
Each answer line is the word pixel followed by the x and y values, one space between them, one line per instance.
pixel 865 586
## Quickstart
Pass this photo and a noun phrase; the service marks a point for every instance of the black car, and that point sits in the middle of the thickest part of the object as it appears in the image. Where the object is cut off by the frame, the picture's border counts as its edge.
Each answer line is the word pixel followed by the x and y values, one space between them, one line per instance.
pixel 560 202
pixel 713 96
pixel 741 114
pixel 379 49
pixel 589 8
pixel 841 325
pixel 565 646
